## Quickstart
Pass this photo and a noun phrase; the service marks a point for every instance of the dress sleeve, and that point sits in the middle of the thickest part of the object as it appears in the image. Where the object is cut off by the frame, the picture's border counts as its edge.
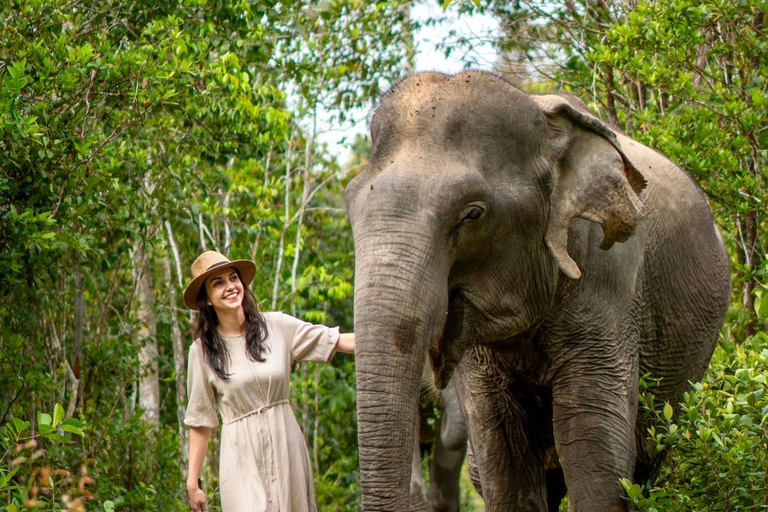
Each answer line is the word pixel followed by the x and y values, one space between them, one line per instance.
pixel 309 342
pixel 200 409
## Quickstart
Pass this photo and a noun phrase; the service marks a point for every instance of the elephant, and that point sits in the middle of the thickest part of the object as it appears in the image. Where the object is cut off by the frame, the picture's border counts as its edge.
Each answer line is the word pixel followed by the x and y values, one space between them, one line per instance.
pixel 448 454
pixel 448 443
pixel 543 261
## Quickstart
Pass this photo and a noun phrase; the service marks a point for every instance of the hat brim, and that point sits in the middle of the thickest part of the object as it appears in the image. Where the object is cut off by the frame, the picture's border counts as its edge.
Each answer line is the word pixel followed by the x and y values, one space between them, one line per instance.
pixel 246 268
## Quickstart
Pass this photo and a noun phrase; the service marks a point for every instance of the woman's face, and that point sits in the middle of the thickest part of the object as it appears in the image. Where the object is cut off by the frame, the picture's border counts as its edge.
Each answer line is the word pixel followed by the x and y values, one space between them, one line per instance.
pixel 225 290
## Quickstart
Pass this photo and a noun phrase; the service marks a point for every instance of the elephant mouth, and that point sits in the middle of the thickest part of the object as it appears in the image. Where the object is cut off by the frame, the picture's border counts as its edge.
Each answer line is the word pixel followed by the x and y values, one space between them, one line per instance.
pixel 445 350
pixel 436 360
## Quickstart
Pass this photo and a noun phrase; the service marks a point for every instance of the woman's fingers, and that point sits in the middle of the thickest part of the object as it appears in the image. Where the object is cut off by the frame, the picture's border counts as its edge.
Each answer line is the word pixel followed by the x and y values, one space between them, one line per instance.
pixel 197 501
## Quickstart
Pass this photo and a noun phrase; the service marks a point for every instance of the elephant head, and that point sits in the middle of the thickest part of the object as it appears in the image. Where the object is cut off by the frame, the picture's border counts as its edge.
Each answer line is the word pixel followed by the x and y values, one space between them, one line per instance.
pixel 460 223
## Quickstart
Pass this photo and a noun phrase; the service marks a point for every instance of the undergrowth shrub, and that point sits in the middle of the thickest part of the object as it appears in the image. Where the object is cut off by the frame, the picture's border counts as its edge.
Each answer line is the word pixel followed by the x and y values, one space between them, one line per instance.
pixel 717 447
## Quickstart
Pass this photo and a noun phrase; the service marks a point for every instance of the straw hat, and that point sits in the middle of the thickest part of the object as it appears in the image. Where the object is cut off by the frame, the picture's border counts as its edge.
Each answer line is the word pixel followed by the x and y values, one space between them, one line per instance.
pixel 206 264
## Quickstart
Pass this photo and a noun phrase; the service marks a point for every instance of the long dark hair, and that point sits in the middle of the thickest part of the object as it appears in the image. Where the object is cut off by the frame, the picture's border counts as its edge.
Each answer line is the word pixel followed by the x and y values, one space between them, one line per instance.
pixel 214 349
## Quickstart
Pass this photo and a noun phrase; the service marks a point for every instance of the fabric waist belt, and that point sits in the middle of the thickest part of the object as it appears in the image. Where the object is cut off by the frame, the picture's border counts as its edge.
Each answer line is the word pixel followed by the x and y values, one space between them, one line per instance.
pixel 257 411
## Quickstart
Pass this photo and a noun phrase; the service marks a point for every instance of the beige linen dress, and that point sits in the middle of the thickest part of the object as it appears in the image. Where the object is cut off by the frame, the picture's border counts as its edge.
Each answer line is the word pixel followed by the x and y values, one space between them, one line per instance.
pixel 264 462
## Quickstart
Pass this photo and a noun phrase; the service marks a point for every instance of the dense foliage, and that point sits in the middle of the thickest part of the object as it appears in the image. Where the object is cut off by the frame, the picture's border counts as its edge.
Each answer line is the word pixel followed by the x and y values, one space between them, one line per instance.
pixel 134 135
pixel 718 445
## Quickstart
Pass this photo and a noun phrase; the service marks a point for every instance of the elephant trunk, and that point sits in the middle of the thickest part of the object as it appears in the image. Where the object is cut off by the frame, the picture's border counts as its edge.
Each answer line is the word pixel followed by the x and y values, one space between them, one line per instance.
pixel 399 310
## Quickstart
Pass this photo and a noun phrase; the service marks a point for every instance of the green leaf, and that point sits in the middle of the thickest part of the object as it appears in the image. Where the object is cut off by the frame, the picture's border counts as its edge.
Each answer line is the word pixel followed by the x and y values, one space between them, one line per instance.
pixel 668 411
pixel 109 506
pixel 20 425
pixel 761 304
pixel 44 419
pixel 73 422
pixel 73 430
pixel 7 477
pixel 446 3
pixel 57 437
pixel 633 490
pixel 58 415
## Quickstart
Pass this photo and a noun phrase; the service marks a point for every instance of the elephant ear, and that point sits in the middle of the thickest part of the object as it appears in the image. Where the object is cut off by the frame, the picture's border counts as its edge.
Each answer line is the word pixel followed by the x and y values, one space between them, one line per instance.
pixel 595 180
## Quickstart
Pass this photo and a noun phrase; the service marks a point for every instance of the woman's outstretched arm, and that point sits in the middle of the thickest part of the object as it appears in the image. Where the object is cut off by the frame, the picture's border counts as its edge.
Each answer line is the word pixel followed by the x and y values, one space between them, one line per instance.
pixel 198 447
pixel 346 343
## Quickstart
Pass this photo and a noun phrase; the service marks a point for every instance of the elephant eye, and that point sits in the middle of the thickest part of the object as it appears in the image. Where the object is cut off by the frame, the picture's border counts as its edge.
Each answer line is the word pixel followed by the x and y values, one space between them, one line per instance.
pixel 474 212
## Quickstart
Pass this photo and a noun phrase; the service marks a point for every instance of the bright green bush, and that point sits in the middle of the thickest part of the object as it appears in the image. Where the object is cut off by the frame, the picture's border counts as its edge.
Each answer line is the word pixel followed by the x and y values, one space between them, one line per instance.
pixel 137 467
pixel 718 445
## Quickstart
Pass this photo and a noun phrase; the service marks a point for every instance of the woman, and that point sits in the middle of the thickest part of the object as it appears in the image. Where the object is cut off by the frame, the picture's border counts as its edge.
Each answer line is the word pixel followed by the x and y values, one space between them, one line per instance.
pixel 241 361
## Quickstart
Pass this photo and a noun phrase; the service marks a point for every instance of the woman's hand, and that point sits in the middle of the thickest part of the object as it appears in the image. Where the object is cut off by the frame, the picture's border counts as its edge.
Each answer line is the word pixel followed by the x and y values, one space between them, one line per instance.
pixel 196 498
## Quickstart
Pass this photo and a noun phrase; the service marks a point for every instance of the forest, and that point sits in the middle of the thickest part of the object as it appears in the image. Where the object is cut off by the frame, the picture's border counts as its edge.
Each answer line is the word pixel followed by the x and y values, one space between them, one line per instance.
pixel 135 134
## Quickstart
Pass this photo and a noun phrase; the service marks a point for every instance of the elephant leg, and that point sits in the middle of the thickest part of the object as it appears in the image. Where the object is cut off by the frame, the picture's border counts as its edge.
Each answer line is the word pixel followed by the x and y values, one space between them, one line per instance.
pixel 502 432
pixel 447 456
pixel 594 411
pixel 474 473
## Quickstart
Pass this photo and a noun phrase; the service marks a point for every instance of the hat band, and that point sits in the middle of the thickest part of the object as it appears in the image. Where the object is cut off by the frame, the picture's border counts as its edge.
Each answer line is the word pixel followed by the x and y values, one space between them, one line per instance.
pixel 217 265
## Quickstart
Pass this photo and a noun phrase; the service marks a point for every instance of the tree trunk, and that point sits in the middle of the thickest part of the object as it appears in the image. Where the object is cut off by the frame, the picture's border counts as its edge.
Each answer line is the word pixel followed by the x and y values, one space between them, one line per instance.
pixel 305 407
pixel 225 220
pixel 224 210
pixel 410 49
pixel 702 54
pixel 255 248
pixel 149 385
pixel 746 255
pixel 201 234
pixel 609 83
pixel 179 274
pixel 178 358
pixel 316 446
pixel 286 223
pixel 77 347
pixel 72 381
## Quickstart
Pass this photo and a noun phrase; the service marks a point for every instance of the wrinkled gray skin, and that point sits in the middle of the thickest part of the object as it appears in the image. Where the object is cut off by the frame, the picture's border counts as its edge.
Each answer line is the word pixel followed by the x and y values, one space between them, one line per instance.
pixel 449 448
pixel 485 226
pixel 448 455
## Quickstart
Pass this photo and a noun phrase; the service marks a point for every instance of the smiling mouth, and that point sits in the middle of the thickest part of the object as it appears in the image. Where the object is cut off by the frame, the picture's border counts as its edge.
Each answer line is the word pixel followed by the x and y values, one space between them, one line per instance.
pixel 231 296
